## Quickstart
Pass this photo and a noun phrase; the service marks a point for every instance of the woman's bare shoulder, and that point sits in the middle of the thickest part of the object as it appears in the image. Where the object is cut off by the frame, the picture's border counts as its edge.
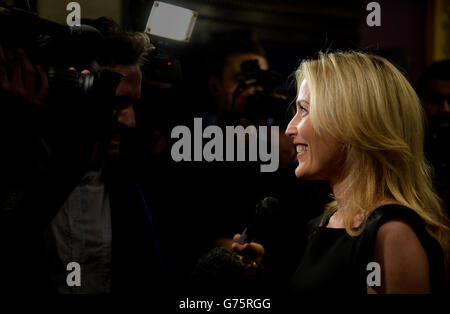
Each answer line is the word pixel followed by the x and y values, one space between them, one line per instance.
pixel 402 257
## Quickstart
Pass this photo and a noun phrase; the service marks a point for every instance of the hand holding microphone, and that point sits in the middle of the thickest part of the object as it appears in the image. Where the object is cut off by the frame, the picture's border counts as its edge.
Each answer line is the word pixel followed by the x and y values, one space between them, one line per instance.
pixel 251 252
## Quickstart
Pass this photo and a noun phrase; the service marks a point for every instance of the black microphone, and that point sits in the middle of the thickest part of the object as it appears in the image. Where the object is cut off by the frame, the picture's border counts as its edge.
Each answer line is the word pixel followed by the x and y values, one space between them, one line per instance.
pixel 264 213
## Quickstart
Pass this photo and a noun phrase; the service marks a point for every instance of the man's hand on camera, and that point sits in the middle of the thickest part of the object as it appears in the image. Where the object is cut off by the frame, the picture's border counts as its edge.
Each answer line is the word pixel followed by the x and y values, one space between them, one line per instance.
pixel 241 100
pixel 251 253
pixel 19 77
pixel 86 72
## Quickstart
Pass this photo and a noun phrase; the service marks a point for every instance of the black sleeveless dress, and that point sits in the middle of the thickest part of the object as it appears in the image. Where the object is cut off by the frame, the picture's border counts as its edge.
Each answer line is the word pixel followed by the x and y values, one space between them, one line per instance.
pixel 336 263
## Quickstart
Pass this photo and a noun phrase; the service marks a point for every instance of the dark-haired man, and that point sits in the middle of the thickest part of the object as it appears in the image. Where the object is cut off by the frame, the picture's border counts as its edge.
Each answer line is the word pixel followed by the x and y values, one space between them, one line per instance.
pixel 434 92
pixel 225 74
pixel 84 208
pixel 232 191
pixel 434 89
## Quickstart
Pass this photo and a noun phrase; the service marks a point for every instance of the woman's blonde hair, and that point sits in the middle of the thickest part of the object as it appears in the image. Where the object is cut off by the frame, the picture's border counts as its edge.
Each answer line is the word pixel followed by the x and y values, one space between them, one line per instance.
pixel 367 104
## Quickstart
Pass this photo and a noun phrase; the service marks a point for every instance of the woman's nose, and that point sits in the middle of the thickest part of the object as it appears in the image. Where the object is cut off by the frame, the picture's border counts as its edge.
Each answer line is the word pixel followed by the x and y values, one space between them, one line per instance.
pixel 291 129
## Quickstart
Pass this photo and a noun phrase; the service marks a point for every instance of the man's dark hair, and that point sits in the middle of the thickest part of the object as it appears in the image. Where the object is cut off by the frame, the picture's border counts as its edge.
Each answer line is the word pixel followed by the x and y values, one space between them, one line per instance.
pixel 119 46
pixel 220 271
pixel 227 44
pixel 437 71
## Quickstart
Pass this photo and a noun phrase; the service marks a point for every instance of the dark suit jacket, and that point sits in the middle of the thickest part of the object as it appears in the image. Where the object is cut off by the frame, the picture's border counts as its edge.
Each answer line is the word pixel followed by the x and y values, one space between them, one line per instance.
pixel 29 208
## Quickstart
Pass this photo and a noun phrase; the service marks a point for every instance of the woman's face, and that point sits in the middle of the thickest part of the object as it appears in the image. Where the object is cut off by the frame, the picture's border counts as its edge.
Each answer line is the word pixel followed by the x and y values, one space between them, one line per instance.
pixel 319 157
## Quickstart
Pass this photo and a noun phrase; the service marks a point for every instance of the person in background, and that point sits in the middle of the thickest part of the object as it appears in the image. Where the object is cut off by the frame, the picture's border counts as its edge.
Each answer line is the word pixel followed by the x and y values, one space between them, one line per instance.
pixel 434 93
pixel 232 190
pixel 85 205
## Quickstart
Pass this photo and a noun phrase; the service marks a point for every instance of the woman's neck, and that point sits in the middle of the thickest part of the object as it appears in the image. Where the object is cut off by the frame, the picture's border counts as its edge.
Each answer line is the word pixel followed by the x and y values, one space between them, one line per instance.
pixel 338 186
pixel 340 191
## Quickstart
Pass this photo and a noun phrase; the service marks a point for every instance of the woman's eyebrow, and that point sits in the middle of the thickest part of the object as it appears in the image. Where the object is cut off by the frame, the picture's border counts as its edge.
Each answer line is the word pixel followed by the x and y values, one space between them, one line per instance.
pixel 302 100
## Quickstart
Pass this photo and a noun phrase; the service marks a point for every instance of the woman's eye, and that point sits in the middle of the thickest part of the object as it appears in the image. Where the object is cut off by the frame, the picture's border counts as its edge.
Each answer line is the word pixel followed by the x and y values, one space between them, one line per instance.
pixel 303 110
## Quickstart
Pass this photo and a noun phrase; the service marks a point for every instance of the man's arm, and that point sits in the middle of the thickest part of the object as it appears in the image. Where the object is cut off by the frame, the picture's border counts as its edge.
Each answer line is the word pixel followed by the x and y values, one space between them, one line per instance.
pixel 20 78
pixel 26 88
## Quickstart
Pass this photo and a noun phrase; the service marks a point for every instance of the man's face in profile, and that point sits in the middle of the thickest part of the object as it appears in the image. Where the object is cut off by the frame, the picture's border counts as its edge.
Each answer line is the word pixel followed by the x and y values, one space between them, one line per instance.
pixel 123 116
pixel 436 99
pixel 223 89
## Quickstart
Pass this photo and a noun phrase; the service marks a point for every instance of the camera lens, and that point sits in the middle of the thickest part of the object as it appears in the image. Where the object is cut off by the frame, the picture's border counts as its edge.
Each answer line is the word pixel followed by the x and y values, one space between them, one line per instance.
pixel 64 80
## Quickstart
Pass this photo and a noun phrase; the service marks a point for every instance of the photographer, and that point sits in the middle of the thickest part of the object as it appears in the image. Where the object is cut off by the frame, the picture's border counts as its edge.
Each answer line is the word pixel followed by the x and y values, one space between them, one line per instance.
pixel 243 88
pixel 82 204
pixel 226 74
pixel 231 191
pixel 228 53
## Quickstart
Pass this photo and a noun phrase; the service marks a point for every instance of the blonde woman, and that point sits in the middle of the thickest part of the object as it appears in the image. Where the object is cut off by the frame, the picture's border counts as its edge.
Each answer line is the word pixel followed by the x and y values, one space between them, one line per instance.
pixel 359 125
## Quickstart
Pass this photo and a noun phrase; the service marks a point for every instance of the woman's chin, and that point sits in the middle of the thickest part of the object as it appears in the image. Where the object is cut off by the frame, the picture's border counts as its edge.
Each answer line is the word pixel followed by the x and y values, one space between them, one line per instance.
pixel 304 175
pixel 300 174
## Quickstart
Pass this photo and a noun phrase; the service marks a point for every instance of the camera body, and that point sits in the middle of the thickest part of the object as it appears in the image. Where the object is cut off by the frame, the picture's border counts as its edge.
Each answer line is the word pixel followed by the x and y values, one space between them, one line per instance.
pixel 263 107
pixel 57 47
pixel 103 82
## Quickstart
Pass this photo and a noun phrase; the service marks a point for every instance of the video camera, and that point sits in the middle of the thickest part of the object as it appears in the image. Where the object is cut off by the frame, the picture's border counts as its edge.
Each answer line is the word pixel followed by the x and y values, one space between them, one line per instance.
pixel 57 47
pixel 262 107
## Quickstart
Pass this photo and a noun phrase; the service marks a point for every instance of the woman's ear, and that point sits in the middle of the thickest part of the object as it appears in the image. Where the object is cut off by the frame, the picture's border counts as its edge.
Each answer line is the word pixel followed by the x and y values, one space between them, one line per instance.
pixel 214 85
